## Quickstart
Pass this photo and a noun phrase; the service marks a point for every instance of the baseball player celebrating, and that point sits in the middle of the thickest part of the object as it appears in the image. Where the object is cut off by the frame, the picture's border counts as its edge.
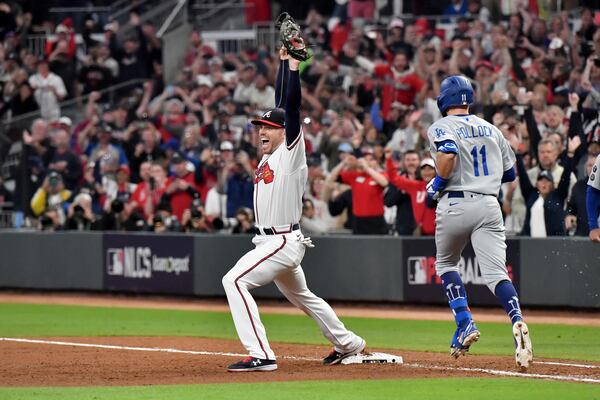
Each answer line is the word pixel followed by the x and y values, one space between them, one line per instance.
pixel 278 188
pixel 593 201
pixel 472 159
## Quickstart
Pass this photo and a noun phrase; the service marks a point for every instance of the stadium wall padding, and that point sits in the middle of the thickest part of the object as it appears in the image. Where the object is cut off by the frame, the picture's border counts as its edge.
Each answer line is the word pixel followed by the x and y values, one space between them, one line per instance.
pixel 51 260
pixel 560 271
pixel 549 272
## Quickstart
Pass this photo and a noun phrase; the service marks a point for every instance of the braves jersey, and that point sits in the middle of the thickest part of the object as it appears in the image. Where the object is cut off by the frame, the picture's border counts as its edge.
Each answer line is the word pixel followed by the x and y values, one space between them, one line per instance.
pixel 482 152
pixel 279 184
pixel 594 179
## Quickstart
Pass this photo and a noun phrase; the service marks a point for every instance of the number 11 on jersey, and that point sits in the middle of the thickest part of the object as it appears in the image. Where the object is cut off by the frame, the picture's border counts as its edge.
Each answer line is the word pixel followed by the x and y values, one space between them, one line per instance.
pixel 476 160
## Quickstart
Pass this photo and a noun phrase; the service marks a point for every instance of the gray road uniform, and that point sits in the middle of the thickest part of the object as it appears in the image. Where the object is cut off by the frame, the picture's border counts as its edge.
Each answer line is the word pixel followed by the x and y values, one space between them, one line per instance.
pixel 468 207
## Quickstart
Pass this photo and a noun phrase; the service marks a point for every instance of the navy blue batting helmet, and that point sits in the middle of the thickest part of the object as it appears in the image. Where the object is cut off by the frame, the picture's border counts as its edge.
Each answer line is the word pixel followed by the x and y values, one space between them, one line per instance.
pixel 455 91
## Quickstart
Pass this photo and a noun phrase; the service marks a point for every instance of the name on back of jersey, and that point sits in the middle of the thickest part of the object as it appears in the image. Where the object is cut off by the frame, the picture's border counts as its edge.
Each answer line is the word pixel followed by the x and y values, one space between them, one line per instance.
pixel 473 132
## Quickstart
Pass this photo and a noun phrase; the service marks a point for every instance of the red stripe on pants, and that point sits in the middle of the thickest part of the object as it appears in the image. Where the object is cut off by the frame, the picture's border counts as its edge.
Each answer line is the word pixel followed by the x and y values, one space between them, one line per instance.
pixel 244 299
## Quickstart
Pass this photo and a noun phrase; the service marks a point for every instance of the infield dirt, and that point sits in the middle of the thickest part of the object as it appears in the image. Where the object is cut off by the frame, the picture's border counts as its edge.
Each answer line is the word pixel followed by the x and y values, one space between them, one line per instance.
pixel 26 364
pixel 41 364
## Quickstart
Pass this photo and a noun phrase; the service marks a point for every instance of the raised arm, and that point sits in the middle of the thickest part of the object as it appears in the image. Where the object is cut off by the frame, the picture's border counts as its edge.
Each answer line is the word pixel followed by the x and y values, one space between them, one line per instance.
pixel 282 78
pixel 524 182
pixel 565 178
pixel 293 97
pixel 534 133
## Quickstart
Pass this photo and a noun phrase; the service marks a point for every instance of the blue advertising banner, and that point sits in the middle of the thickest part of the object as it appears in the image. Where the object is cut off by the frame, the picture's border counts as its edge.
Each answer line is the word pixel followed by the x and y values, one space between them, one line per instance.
pixel 148 263
pixel 422 285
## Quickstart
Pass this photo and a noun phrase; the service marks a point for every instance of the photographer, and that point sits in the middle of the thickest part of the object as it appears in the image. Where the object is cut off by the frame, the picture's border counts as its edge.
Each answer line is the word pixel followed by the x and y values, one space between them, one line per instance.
pixel 120 188
pixel 164 220
pixel 51 196
pixel 119 217
pixel 245 221
pixel 195 220
pixel 50 221
pixel 80 216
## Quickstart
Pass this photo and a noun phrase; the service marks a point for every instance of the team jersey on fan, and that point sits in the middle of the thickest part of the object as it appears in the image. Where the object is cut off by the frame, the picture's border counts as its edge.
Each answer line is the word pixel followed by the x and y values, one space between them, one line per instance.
pixel 279 184
pixel 482 152
pixel 594 179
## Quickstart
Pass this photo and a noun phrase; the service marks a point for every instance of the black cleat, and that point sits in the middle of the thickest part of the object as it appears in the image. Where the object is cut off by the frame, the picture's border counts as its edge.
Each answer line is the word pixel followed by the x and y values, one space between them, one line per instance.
pixel 250 364
pixel 335 357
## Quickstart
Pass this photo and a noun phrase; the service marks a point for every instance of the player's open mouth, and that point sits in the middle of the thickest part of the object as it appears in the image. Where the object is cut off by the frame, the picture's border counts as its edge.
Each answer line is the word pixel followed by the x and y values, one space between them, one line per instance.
pixel 264 141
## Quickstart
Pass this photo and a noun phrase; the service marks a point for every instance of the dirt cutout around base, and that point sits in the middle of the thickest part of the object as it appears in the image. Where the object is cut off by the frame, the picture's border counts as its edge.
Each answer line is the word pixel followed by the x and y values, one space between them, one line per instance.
pixel 40 364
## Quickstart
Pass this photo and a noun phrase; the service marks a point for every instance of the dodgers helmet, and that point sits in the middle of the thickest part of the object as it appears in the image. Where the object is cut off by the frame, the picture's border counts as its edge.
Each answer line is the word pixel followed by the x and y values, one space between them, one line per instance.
pixel 455 90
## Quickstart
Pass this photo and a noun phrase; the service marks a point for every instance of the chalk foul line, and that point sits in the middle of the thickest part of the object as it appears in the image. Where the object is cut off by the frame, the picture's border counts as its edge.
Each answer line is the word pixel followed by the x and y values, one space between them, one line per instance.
pixel 410 365
pixel 137 348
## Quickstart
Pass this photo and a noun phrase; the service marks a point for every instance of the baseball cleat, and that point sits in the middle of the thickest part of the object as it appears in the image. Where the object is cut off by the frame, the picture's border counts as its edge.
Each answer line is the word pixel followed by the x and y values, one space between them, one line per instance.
pixel 250 364
pixel 335 357
pixel 463 339
pixel 523 348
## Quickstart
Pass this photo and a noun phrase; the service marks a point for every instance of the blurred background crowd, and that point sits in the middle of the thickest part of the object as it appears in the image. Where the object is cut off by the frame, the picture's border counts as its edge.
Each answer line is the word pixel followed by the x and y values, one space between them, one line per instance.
pixel 144 152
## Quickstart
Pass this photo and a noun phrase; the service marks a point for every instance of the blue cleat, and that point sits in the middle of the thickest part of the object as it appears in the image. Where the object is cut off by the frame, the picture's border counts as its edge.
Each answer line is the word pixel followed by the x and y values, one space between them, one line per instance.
pixel 463 338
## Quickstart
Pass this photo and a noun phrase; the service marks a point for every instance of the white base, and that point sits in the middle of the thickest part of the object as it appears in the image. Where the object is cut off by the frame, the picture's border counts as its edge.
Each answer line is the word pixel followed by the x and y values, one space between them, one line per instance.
pixel 373 358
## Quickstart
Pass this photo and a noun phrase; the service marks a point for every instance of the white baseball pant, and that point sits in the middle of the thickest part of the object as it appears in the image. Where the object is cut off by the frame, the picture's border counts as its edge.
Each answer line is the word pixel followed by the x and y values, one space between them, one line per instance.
pixel 277 258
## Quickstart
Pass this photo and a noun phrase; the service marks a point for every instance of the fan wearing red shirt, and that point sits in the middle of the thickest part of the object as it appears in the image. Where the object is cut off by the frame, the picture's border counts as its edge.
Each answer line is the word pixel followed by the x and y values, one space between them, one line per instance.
pixel 181 187
pixel 147 194
pixel 423 209
pixel 400 82
pixel 367 183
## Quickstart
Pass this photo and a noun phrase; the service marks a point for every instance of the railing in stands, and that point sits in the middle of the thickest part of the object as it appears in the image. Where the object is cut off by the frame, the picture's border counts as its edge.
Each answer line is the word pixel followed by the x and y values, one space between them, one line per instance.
pixel 172 17
pixel 11 129
pixel 77 102
pixel 7 218
pixel 122 8
pixel 157 15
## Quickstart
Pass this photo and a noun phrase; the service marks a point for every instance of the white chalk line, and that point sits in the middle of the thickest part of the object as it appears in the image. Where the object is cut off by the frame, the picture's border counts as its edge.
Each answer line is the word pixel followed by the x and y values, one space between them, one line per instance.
pixel 410 365
pixel 136 348
pixel 509 373
pixel 568 364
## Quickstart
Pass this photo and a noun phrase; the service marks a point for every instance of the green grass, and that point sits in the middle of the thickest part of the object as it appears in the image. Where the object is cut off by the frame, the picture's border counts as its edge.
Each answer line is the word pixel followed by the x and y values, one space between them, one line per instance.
pixel 421 389
pixel 19 320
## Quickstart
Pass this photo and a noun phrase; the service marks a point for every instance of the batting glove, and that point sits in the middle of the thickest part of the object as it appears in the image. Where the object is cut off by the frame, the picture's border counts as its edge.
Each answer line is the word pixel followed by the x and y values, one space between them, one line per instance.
pixel 435 187
pixel 307 241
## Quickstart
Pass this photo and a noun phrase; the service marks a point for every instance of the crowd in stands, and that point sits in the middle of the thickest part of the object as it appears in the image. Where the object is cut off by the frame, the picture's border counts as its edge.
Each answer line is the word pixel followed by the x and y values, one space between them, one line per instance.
pixel 182 156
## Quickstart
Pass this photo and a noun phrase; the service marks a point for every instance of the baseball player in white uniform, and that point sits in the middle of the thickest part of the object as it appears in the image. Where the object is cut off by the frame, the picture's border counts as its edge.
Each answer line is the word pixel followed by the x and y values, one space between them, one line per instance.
pixel 278 187
pixel 592 201
pixel 472 159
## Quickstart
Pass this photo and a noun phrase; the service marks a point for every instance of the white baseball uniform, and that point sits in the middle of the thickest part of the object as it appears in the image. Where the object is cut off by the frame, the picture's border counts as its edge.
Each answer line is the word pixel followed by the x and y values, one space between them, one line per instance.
pixel 278 188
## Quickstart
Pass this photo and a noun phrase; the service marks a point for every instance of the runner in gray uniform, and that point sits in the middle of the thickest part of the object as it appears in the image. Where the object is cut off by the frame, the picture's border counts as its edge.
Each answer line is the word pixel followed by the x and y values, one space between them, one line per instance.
pixel 472 160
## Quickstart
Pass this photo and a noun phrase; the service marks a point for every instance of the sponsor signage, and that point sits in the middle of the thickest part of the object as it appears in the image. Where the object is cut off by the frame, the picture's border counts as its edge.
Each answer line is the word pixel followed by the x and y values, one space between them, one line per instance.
pixel 422 285
pixel 148 263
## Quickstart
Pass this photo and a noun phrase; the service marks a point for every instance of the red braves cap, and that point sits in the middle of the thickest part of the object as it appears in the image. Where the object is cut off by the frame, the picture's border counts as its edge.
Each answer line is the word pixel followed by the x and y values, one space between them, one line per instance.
pixel 274 118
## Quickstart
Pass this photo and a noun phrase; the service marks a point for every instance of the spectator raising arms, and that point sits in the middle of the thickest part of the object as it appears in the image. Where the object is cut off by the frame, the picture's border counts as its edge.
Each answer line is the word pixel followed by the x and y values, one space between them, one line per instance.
pixel 545 212
pixel 368 183
pixel 368 85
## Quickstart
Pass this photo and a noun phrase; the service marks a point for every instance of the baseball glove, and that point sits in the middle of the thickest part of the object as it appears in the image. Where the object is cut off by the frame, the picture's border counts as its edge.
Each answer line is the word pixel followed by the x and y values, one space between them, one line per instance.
pixel 289 32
